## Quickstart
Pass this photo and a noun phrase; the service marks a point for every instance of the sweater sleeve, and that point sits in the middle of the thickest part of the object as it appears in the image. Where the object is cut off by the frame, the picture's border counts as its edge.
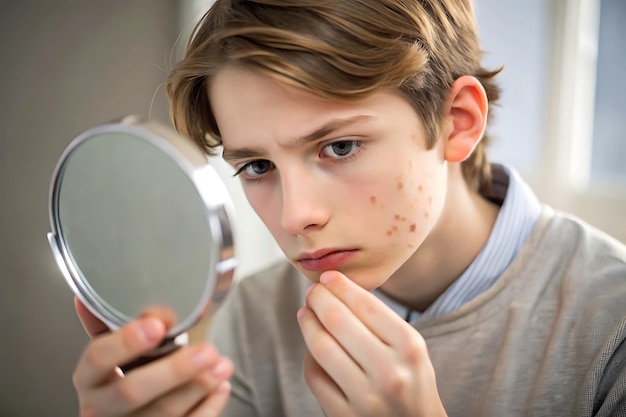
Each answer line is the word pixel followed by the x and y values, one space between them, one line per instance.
pixel 610 400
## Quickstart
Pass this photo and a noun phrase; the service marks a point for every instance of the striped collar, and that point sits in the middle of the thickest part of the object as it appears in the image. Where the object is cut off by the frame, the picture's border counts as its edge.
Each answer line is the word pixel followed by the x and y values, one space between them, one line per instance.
pixel 518 214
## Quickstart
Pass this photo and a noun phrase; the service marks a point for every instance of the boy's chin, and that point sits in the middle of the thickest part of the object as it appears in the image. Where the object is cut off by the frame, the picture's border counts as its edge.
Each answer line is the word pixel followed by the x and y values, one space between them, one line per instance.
pixel 367 281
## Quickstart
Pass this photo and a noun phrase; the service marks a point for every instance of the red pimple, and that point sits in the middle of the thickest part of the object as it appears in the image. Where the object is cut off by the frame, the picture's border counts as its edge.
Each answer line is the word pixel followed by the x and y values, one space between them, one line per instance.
pixel 420 188
pixel 373 200
pixel 412 227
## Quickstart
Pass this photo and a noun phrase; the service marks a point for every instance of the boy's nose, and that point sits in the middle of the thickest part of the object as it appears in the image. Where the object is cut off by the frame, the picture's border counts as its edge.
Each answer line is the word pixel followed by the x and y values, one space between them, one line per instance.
pixel 303 207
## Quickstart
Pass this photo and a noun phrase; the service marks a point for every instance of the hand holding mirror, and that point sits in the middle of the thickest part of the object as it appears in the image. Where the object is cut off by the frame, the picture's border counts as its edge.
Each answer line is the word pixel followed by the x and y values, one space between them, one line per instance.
pixel 141 224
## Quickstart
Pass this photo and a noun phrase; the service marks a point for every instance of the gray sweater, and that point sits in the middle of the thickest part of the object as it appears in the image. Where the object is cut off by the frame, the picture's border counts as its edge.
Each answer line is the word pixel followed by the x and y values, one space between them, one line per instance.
pixel 546 340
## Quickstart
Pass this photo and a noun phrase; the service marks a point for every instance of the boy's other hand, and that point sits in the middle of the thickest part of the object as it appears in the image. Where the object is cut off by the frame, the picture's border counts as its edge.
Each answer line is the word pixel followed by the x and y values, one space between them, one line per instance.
pixel 364 359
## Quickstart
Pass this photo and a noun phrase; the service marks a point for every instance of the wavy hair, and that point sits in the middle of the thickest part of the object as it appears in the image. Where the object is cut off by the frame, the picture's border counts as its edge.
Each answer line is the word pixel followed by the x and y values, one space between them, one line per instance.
pixel 340 50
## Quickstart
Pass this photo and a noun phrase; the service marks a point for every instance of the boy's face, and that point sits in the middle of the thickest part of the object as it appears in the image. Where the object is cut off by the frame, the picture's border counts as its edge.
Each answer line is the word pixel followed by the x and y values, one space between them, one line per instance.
pixel 342 186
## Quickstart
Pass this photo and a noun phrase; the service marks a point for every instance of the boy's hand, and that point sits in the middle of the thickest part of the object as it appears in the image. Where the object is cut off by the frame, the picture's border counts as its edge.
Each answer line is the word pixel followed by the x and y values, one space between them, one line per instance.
pixel 364 359
pixel 192 381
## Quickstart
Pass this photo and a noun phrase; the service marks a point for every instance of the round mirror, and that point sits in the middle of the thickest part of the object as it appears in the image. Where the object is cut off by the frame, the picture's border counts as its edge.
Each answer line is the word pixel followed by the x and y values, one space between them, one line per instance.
pixel 140 222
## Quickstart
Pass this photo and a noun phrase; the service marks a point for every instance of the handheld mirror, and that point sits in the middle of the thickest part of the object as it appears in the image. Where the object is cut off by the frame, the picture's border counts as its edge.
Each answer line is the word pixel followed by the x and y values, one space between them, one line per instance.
pixel 140 222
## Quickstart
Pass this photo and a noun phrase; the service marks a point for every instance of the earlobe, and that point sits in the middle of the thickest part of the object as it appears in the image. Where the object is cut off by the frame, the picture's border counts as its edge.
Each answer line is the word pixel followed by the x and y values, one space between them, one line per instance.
pixel 467 111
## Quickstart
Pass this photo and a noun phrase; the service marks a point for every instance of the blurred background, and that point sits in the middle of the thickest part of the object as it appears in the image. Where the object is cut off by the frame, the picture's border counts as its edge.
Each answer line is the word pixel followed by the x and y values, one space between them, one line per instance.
pixel 70 65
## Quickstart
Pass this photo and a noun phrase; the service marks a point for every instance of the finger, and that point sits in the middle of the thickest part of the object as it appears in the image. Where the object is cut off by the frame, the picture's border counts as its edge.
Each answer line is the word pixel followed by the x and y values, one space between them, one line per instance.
pixel 182 400
pixel 106 352
pixel 348 330
pixel 150 383
pixel 163 313
pixel 333 359
pixel 92 325
pixel 328 394
pixel 379 318
pixel 214 404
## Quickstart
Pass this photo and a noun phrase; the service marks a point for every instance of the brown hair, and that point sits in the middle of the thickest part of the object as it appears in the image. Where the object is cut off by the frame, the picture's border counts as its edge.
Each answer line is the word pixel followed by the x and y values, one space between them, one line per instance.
pixel 337 49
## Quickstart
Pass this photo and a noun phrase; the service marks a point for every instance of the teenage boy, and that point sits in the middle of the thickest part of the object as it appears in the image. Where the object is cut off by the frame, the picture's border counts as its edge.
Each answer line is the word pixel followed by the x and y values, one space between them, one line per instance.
pixel 423 280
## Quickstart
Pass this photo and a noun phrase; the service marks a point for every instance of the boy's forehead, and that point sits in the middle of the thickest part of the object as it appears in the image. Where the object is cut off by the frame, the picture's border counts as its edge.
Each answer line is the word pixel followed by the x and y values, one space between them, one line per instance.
pixel 237 85
pixel 245 101
pixel 233 82
pixel 252 108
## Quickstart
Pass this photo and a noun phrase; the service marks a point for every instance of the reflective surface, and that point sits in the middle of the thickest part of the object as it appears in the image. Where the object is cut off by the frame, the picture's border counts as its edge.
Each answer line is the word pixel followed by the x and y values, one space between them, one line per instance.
pixel 135 232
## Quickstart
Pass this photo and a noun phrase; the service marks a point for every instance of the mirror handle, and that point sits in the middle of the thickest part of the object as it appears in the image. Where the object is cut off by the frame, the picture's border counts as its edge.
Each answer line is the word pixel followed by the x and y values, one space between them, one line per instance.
pixel 166 347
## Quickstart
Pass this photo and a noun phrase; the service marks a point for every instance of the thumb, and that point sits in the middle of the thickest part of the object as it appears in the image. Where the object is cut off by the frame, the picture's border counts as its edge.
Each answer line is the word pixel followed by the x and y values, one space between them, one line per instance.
pixel 92 325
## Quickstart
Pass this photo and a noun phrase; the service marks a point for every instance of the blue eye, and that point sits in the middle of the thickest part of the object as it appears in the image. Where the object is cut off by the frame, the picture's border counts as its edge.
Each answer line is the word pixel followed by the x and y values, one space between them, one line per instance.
pixel 255 169
pixel 340 149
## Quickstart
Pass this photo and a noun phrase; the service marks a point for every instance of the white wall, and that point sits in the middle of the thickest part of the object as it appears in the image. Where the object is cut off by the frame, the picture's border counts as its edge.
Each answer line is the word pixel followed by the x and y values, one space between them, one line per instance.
pixel 515 34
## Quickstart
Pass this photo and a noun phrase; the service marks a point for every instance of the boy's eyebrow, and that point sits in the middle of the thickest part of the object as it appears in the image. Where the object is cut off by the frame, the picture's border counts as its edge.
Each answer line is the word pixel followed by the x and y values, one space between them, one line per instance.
pixel 319 133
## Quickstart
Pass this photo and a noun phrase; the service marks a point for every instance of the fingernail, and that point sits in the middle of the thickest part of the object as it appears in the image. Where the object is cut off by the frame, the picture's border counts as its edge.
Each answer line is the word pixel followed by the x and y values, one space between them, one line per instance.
pixel 300 313
pixel 220 368
pixel 326 278
pixel 223 388
pixel 308 290
pixel 202 357
pixel 151 330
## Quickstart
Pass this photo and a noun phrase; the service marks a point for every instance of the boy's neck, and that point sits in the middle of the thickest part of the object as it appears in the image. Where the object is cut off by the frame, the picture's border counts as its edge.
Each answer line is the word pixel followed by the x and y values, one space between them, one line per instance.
pixel 459 236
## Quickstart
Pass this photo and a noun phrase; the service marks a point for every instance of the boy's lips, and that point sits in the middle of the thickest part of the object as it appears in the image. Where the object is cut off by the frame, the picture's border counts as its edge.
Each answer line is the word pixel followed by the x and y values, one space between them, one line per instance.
pixel 325 259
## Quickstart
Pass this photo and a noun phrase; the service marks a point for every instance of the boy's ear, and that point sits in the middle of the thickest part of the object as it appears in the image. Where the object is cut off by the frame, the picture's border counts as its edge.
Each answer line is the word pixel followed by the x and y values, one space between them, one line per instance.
pixel 467 110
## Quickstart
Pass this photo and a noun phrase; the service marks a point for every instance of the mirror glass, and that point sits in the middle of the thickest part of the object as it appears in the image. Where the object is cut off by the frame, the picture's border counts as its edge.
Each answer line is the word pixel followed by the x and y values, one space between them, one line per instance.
pixel 135 227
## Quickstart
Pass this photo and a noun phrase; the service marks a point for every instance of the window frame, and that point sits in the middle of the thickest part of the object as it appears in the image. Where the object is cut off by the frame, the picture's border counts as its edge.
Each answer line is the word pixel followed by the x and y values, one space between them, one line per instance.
pixel 565 180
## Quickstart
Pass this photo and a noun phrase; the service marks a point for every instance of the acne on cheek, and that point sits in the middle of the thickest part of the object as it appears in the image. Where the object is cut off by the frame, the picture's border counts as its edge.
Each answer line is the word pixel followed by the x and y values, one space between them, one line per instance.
pixel 400 219
pixel 412 228
pixel 430 203
pixel 394 229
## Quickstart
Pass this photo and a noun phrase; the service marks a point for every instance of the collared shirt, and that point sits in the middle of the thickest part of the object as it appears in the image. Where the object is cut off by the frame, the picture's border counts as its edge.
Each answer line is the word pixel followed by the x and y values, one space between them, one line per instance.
pixel 518 214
